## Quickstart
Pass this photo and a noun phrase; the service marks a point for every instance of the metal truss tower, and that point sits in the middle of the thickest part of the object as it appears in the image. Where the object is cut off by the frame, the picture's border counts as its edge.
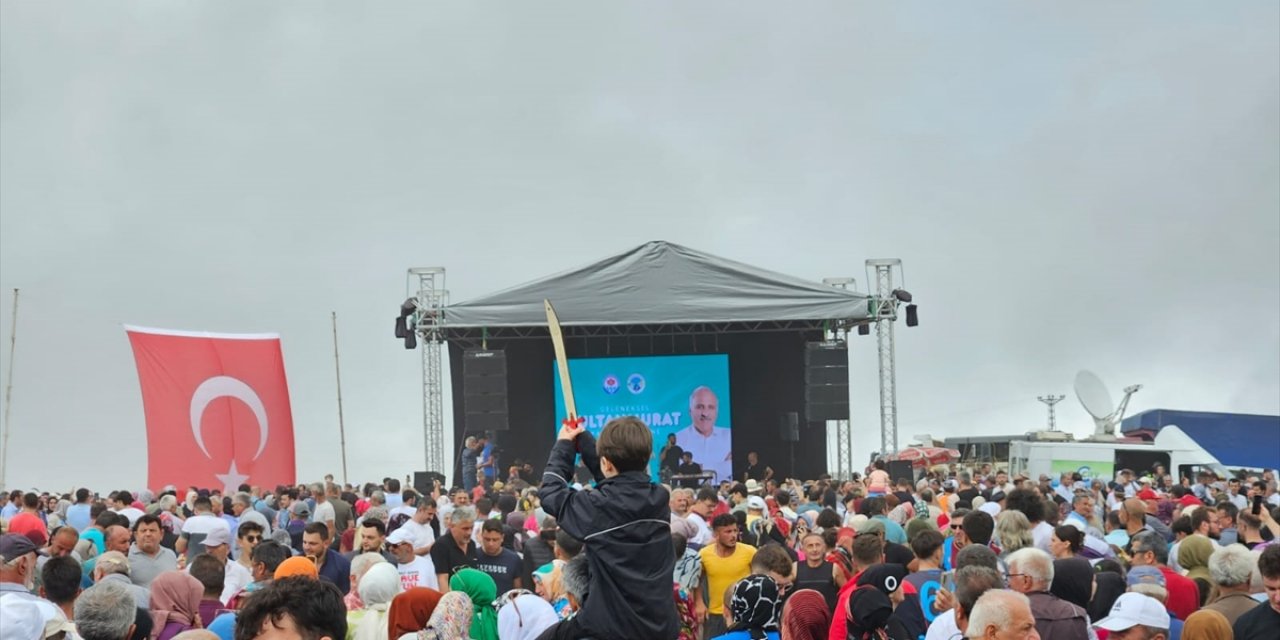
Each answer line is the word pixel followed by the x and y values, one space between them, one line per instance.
pixel 844 436
pixel 885 312
pixel 428 324
pixel 1051 400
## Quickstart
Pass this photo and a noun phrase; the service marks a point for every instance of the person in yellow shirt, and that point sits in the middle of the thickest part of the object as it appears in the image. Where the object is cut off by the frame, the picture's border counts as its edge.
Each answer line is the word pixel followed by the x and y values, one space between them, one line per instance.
pixel 724 562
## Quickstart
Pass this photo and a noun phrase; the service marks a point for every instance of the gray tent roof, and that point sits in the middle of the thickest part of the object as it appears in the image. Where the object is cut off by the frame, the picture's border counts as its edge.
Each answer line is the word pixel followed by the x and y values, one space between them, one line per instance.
pixel 660 283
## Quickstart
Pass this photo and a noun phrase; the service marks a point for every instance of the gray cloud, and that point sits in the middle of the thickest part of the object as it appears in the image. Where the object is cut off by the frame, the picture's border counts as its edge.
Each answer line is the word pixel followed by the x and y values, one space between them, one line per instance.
pixel 1069 186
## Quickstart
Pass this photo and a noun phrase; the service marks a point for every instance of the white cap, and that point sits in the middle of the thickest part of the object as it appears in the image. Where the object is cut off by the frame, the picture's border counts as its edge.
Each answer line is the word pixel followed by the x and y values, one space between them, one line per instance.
pixel 217 537
pixel 990 508
pixel 756 502
pixel 1133 609
pixel 400 536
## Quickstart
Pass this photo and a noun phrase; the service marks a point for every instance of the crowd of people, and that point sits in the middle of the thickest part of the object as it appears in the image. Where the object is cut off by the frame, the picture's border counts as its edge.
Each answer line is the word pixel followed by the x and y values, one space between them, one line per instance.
pixel 956 553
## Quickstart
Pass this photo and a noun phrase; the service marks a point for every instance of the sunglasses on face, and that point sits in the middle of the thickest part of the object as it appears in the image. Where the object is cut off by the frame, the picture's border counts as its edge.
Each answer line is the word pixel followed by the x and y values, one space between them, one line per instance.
pixel 253 538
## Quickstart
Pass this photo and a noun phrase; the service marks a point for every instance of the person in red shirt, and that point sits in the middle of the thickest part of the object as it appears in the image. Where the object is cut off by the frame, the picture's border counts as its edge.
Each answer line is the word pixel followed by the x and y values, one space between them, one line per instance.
pixel 29 519
pixel 1150 549
pixel 868 550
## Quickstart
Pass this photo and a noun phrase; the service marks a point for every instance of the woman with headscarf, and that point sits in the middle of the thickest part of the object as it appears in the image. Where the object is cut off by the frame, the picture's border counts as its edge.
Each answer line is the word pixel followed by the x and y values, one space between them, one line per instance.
pixel 805 616
pixel 754 606
pixel 1110 587
pixel 450 621
pixel 1206 624
pixel 525 617
pixel 870 616
pixel 377 587
pixel 411 611
pixel 174 604
pixel 1193 556
pixel 482 590
pixel 1073 581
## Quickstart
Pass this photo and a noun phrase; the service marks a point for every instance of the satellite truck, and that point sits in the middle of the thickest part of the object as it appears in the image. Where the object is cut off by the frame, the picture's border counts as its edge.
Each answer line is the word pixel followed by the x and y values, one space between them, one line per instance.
pixel 1103 454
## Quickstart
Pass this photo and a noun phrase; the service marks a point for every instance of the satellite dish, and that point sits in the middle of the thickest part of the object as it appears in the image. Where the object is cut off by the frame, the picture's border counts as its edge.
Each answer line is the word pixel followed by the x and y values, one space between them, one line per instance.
pixel 1095 398
pixel 1093 395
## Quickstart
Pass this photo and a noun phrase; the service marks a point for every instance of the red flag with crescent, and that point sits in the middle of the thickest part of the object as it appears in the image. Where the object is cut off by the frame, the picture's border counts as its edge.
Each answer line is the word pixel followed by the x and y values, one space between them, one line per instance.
pixel 217 408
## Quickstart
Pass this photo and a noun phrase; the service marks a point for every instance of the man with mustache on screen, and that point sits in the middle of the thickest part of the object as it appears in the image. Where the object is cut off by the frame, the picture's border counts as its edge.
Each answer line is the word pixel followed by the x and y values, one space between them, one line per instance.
pixel 709 444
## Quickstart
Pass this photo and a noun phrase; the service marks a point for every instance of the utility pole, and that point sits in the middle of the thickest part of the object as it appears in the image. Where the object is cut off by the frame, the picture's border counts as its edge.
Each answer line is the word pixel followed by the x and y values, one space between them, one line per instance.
pixel 1051 400
pixel 337 371
pixel 8 390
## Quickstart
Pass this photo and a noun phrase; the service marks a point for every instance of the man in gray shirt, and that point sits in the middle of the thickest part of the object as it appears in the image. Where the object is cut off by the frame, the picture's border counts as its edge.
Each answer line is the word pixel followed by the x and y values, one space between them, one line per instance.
pixel 147 559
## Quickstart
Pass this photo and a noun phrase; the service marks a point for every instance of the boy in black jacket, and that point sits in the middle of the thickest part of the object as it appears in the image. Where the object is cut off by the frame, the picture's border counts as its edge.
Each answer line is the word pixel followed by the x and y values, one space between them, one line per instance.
pixel 625 524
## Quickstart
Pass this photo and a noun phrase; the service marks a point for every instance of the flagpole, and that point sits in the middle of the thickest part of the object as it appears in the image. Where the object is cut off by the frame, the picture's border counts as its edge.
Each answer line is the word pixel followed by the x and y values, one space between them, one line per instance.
pixel 8 390
pixel 337 371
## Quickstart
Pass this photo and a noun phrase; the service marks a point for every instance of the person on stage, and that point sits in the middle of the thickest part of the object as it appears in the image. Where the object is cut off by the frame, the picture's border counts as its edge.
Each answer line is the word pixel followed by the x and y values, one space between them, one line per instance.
pixel 755 470
pixel 669 457
pixel 710 444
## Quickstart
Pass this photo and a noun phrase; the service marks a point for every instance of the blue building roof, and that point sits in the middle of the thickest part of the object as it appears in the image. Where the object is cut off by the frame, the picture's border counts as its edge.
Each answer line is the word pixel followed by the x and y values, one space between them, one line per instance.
pixel 1235 439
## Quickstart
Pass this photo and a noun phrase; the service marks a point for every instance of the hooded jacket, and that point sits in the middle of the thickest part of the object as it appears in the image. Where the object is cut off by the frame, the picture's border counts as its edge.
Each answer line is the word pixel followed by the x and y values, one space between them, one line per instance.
pixel 625 523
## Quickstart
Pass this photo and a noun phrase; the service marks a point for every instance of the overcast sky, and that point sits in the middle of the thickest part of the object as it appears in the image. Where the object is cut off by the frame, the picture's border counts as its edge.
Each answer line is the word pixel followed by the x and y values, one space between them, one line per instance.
pixel 1069 185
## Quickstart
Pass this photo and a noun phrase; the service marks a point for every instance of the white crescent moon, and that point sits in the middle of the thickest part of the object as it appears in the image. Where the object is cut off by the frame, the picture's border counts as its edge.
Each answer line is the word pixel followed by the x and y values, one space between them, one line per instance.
pixel 227 387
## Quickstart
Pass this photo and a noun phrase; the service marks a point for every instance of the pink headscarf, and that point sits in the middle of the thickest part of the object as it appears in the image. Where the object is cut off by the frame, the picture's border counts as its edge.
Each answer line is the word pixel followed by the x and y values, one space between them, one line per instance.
pixel 175 597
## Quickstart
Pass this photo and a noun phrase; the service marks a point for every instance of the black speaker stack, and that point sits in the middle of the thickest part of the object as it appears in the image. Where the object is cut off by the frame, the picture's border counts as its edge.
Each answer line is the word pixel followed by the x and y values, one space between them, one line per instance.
pixel 826 381
pixel 484 390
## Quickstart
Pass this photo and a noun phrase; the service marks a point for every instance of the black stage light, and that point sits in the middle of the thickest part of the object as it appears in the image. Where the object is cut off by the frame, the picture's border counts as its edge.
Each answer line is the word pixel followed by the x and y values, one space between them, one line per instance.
pixel 864 329
pixel 408 307
pixel 912 318
pixel 410 340
pixel 400 328
pixel 902 295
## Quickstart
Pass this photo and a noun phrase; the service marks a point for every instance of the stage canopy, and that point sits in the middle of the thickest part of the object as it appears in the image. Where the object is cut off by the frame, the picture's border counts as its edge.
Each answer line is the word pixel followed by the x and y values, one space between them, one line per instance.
pixel 660 283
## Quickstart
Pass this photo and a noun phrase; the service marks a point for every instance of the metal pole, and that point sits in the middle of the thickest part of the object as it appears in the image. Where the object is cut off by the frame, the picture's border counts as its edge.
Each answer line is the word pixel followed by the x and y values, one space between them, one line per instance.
pixel 8 390
pixel 337 372
pixel 1051 400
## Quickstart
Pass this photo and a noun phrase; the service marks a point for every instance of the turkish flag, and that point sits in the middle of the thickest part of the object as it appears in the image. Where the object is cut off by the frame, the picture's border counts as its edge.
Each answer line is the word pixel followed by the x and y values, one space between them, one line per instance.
pixel 217 408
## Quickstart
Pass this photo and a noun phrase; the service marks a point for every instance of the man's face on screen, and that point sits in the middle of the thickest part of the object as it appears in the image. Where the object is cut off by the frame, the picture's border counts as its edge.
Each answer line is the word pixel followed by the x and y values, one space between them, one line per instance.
pixel 704 408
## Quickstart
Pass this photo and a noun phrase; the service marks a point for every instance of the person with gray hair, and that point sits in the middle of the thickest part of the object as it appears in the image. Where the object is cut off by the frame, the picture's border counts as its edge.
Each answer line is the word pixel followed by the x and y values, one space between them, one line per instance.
pixel 1232 568
pixel 1000 614
pixel 105 612
pixel 455 549
pixel 1031 574
pixel 113 566
pixel 971 583
pixel 1150 549
pixel 575 578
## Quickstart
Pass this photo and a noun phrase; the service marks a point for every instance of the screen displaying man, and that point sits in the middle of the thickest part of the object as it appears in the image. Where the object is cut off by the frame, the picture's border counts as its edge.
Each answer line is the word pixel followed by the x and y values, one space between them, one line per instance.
pixel 709 443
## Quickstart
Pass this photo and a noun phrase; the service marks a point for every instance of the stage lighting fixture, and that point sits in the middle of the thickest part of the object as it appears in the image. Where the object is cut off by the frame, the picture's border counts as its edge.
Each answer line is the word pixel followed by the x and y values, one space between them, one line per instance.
pixel 410 341
pixel 912 318
pixel 864 329
pixel 401 331
pixel 902 295
pixel 408 307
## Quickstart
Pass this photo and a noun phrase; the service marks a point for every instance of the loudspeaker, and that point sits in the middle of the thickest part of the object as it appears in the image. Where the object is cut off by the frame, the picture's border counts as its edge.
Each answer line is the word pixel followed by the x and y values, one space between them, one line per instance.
pixel 789 427
pixel 424 481
pixel 484 390
pixel 899 469
pixel 826 381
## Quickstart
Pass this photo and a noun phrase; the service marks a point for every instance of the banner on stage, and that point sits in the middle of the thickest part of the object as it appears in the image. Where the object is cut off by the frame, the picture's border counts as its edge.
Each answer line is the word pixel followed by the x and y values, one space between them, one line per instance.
pixel 217 409
pixel 683 399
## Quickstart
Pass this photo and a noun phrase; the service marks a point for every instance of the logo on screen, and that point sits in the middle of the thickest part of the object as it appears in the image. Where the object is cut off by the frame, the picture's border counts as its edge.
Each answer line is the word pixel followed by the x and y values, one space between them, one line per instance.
pixel 635 383
pixel 611 385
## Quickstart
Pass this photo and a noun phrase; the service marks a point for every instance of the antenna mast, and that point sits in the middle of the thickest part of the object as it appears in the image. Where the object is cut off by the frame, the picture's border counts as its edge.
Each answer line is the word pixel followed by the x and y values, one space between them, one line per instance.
pixel 1051 400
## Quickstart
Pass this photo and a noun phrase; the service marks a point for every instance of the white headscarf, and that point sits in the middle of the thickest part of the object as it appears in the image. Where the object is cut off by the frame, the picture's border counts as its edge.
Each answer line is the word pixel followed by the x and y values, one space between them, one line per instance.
pixel 525 618
pixel 377 587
